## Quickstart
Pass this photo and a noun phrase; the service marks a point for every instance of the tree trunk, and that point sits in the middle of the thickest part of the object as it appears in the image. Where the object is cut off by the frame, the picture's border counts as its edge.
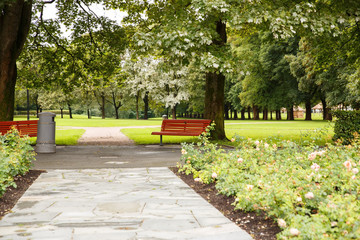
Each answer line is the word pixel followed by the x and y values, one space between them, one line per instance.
pixel 146 105
pixel 70 111
pixel 243 114
pixel 214 89
pixel 62 112
pixel 174 112
pixel 271 117
pixel 290 113
pixel 89 113
pixel 27 104
pixel 308 110
pixel 265 114
pixel 102 106
pixel 278 114
pixel 255 112
pixel 249 113
pixel 214 103
pixel 235 115
pixel 226 110
pixel 15 18
pixel 326 111
pixel 137 105
pixel 116 106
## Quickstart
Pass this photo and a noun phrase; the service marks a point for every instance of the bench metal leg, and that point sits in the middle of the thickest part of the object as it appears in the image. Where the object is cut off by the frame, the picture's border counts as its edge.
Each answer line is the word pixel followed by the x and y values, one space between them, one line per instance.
pixel 161 144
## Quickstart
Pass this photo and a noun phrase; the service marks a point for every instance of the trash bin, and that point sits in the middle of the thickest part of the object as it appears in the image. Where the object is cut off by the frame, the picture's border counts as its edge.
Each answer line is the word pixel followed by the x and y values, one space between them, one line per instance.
pixel 45 142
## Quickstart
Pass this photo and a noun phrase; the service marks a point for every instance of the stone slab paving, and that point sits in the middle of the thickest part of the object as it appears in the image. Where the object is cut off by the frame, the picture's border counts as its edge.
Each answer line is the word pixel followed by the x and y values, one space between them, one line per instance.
pixel 129 203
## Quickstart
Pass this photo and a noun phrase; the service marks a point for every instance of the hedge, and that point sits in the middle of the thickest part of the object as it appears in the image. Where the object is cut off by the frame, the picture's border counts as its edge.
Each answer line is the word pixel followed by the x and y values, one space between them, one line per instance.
pixel 347 125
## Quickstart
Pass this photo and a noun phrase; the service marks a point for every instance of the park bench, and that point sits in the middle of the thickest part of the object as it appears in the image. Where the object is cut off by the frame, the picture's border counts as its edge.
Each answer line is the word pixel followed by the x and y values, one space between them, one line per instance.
pixel 24 127
pixel 183 127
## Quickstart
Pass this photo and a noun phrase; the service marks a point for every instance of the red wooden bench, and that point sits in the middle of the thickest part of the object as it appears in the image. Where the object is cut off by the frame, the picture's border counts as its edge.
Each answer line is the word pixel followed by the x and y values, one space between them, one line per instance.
pixel 183 127
pixel 24 127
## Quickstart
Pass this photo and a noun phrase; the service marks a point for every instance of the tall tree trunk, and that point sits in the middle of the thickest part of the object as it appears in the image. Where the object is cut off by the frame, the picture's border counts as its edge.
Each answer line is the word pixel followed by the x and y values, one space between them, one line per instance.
pixel 102 105
pixel 89 113
pixel 235 114
pixel 326 111
pixel 290 113
pixel 255 112
pixel 243 114
pixel 15 18
pixel 146 105
pixel 265 114
pixel 214 103
pixel 70 111
pixel 62 112
pixel 308 110
pixel 271 117
pixel 214 89
pixel 174 112
pixel 137 105
pixel 27 104
pixel 278 114
pixel 116 105
pixel 249 112
pixel 226 110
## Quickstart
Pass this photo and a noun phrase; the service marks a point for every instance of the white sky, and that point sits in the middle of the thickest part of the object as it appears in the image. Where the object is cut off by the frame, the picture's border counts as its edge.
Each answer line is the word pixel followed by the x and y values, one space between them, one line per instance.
pixel 50 12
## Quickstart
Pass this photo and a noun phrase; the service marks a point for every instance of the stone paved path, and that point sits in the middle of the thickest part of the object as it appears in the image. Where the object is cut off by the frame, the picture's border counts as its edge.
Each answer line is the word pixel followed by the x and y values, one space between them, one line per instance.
pixel 141 203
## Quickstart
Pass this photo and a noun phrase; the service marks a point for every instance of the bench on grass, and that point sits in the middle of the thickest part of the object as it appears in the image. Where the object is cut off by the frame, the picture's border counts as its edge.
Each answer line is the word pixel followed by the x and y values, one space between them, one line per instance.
pixel 24 127
pixel 183 127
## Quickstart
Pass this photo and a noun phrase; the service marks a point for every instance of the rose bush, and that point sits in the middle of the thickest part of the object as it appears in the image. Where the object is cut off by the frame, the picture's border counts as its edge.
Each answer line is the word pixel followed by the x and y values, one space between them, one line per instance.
pixel 312 192
pixel 16 157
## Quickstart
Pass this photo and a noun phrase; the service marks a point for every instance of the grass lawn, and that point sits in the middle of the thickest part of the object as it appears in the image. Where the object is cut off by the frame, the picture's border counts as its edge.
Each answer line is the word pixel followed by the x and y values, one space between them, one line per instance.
pixel 65 137
pixel 297 130
pixel 83 121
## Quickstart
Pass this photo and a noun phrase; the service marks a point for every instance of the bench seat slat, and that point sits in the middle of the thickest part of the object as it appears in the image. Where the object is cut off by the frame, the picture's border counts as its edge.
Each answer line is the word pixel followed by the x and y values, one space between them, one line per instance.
pixel 24 127
pixel 182 127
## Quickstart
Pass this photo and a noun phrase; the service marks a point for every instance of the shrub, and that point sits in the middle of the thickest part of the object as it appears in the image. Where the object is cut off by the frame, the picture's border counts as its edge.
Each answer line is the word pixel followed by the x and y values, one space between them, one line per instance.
pixel 311 192
pixel 347 123
pixel 16 157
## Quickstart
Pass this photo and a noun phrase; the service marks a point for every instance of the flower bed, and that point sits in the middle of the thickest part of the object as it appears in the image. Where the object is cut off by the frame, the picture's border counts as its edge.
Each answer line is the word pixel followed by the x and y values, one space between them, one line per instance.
pixel 16 156
pixel 311 192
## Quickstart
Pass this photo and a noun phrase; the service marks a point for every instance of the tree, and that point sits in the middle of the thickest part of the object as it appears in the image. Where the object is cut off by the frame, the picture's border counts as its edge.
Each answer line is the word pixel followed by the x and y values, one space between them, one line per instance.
pixel 15 17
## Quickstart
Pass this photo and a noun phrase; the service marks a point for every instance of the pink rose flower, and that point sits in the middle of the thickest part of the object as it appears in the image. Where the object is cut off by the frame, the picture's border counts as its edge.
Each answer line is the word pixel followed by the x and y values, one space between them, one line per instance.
pixel 294 232
pixel 232 140
pixel 309 195
pixel 266 145
pixel 197 180
pixel 240 160
pixel 257 142
pixel 214 175
pixel 355 170
pixel 249 187
pixel 315 167
pixel 183 151
pixel 281 223
pixel 347 165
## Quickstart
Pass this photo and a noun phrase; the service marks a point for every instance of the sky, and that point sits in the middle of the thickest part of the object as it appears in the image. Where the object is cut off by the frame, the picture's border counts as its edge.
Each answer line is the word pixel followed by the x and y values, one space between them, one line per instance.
pixel 50 12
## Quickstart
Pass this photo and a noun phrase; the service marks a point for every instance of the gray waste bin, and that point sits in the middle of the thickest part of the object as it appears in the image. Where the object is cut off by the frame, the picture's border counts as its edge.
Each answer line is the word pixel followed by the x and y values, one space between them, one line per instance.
pixel 45 142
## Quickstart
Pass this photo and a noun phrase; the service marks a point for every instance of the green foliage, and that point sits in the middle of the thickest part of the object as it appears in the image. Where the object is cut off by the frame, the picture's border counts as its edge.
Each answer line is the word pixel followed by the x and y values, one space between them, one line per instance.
pixel 16 156
pixel 347 125
pixel 312 192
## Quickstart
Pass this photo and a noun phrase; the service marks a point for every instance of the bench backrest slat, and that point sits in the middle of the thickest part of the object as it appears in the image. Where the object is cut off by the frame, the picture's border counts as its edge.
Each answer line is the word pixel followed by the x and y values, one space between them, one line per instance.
pixel 24 127
pixel 185 125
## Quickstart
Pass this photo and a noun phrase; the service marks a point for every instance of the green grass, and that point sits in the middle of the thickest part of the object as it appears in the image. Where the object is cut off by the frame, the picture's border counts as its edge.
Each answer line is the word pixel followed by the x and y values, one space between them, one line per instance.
pixel 65 137
pixel 143 136
pixel 297 130
pixel 83 121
